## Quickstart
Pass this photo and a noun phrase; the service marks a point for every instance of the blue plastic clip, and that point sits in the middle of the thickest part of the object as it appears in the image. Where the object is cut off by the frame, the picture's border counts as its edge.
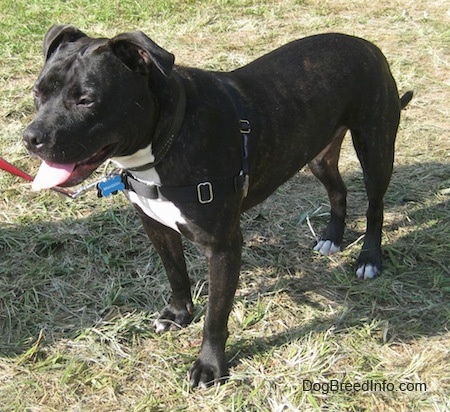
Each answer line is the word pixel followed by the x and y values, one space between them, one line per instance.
pixel 110 185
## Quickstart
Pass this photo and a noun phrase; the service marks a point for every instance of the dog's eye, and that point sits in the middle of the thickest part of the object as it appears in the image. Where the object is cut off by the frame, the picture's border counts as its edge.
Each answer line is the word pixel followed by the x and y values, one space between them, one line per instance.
pixel 36 94
pixel 85 101
pixel 37 97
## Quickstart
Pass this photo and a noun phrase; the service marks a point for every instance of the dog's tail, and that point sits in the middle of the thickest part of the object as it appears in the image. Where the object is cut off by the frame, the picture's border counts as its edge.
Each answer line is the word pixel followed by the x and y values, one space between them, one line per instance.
pixel 406 98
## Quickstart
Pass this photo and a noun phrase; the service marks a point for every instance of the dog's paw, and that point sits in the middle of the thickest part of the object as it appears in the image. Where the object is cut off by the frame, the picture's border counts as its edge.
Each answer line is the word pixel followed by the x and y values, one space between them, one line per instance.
pixel 326 247
pixel 367 271
pixel 172 318
pixel 204 374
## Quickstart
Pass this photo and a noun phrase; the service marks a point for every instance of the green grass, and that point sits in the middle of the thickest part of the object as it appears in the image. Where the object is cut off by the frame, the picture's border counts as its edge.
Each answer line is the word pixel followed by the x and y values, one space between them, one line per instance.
pixel 80 285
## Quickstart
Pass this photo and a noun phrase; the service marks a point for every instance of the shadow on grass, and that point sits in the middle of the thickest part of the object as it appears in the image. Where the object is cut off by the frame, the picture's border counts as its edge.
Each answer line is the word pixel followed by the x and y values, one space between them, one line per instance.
pixel 411 298
pixel 64 276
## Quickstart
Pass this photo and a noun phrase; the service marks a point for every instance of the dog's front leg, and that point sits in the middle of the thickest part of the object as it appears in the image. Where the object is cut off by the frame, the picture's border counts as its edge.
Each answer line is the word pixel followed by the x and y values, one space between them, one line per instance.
pixel 179 312
pixel 223 264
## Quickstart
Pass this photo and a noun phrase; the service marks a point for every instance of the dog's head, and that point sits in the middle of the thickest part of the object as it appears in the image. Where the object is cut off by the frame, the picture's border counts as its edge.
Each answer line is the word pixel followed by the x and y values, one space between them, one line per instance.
pixel 93 100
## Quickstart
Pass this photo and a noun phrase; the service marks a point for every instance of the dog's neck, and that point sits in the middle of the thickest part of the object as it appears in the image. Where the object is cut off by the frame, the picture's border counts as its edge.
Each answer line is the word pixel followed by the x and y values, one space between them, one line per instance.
pixel 148 158
pixel 138 159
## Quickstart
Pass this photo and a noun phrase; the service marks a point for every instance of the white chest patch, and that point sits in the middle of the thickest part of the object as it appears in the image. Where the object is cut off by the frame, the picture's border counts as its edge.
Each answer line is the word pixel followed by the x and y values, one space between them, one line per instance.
pixel 163 211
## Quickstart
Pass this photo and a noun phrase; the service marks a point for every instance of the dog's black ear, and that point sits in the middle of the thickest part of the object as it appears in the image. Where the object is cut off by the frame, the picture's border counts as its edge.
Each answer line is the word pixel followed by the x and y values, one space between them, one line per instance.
pixel 59 34
pixel 139 52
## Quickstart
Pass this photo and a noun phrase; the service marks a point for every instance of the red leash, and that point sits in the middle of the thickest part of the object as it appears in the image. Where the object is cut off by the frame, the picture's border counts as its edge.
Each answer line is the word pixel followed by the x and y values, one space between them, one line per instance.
pixel 8 167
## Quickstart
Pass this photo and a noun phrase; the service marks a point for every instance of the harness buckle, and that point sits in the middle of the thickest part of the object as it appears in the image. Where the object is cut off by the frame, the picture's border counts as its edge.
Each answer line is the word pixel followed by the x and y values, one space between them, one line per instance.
pixel 245 127
pixel 205 193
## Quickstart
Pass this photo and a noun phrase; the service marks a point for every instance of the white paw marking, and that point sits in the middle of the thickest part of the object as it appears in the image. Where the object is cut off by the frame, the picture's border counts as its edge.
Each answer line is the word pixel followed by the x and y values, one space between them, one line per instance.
pixel 367 271
pixel 326 247
pixel 165 325
pixel 159 326
pixel 202 385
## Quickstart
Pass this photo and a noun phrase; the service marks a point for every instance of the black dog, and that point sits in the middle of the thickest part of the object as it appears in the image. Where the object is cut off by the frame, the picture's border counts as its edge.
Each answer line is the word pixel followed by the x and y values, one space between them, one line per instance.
pixel 197 148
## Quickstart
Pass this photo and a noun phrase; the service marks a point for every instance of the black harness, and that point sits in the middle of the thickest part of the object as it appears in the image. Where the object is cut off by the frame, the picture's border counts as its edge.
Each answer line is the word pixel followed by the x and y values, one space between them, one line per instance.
pixel 203 192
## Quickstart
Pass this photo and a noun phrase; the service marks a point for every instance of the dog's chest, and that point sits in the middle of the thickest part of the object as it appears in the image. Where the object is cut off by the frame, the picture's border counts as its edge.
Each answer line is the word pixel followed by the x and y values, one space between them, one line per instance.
pixel 163 211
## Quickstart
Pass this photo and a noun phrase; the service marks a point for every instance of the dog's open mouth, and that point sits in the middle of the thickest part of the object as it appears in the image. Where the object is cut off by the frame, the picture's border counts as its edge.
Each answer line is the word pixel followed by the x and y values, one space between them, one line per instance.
pixel 70 174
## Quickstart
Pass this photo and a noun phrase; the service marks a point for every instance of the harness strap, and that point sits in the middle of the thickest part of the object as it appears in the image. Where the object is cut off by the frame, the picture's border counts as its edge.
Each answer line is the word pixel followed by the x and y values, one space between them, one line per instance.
pixel 203 193
pixel 245 130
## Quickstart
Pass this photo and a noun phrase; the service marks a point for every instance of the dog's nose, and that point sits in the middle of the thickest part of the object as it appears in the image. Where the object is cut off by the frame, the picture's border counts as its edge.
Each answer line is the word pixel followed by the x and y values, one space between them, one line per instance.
pixel 34 138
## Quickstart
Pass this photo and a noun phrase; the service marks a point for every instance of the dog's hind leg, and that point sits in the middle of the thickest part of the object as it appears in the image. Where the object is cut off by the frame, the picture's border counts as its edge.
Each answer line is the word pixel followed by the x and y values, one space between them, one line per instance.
pixel 375 150
pixel 325 167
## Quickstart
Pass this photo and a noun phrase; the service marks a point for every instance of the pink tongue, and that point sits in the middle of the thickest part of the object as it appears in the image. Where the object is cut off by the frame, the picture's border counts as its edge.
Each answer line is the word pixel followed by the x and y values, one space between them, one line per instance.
pixel 51 174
